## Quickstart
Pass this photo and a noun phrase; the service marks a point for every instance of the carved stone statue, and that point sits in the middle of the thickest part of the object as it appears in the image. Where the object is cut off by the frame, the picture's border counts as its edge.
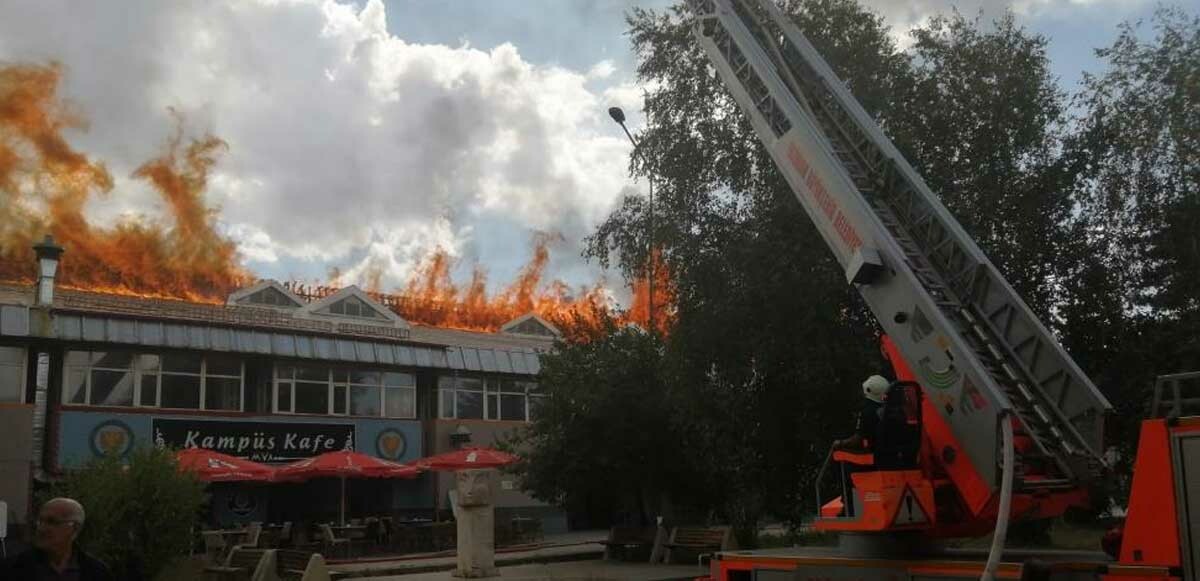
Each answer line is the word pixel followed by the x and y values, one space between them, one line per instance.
pixel 475 514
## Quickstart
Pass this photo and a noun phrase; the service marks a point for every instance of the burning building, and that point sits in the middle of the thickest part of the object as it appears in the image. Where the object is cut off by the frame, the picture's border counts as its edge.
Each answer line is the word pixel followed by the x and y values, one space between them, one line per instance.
pixel 269 375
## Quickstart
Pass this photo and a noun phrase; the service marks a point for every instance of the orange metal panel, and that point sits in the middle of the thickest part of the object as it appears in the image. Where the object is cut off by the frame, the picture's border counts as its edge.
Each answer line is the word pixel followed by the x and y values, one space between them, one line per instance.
pixel 1151 534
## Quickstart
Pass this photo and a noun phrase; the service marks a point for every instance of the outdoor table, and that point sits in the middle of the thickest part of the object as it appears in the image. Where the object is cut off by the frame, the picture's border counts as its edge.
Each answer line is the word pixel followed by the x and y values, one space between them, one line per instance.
pixel 350 531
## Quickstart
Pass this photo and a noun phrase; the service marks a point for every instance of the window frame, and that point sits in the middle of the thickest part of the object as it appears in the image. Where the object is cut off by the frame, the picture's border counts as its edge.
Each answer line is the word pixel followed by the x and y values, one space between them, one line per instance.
pixel 334 380
pixel 493 390
pixel 138 372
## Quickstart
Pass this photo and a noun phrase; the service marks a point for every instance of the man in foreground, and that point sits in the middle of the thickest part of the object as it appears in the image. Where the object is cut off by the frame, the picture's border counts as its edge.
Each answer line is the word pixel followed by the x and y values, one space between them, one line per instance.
pixel 54 555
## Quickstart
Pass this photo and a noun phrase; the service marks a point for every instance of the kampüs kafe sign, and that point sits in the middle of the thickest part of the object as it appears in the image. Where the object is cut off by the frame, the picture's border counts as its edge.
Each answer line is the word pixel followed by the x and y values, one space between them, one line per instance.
pixel 256 441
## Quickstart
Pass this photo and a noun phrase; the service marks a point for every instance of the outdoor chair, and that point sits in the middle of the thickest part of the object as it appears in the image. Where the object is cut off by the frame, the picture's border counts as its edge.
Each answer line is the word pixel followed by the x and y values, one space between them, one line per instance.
pixel 285 535
pixel 250 540
pixel 331 541
pixel 214 546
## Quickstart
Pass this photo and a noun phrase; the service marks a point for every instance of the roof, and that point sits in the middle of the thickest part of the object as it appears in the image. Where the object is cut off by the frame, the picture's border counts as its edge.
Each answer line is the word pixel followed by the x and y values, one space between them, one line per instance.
pixel 97 317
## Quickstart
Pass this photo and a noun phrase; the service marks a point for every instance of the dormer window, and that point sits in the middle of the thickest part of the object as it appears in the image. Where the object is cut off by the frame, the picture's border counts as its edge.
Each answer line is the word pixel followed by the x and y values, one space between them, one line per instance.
pixel 353 307
pixel 270 296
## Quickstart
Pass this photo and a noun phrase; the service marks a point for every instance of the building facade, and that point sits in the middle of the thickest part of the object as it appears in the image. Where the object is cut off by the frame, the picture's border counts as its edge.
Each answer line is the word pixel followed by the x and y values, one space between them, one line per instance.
pixel 267 376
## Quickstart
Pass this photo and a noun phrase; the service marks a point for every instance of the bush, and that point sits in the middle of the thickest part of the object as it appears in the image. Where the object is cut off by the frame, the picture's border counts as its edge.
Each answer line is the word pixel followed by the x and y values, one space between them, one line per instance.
pixel 141 511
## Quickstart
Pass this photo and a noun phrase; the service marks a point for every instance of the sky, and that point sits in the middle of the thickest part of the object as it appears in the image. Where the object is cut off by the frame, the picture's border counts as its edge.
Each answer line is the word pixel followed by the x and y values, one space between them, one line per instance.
pixel 364 134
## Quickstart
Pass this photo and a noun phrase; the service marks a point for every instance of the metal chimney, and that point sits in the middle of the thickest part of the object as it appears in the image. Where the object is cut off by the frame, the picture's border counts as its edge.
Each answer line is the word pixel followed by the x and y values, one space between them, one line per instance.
pixel 48 254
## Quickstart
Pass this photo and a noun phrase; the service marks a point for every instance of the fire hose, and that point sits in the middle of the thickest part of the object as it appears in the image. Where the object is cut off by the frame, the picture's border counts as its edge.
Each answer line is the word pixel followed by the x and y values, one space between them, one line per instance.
pixel 1002 512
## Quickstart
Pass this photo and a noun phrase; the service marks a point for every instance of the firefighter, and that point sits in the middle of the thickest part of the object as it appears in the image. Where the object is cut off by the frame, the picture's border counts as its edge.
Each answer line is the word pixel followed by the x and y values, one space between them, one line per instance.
pixel 867 429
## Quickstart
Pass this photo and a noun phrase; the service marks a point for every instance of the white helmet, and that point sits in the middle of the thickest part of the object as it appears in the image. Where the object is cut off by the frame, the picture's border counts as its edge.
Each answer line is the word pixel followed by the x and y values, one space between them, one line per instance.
pixel 875 387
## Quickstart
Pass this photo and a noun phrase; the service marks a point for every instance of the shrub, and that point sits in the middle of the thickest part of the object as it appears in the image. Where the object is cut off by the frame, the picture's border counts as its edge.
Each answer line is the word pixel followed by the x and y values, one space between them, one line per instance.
pixel 141 511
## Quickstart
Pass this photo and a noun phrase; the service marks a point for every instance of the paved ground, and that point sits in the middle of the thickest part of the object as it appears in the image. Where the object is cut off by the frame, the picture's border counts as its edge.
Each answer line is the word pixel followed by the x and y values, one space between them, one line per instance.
pixel 576 571
pixel 574 546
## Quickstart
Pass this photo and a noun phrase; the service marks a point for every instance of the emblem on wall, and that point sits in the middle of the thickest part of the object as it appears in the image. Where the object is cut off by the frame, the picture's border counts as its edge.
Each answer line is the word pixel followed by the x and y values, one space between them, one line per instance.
pixel 111 438
pixel 390 444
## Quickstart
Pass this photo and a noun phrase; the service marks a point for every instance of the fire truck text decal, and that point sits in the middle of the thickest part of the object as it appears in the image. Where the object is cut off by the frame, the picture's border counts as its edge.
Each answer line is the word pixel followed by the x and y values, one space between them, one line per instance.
pixel 823 199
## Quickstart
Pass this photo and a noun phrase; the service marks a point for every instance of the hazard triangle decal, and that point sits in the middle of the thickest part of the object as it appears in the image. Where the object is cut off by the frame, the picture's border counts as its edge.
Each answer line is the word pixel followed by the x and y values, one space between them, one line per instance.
pixel 910 511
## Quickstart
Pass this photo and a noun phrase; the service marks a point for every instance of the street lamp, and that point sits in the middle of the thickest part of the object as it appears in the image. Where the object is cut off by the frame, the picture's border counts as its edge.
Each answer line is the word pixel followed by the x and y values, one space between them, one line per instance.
pixel 619 116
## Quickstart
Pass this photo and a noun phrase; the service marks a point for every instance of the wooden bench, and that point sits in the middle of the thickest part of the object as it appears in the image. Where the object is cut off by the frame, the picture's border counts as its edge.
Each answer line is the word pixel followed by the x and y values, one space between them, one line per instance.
pixel 239 563
pixel 701 540
pixel 624 540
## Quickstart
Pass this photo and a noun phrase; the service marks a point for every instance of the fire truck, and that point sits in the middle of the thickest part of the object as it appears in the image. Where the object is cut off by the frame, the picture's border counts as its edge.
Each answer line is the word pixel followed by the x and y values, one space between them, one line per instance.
pixel 990 420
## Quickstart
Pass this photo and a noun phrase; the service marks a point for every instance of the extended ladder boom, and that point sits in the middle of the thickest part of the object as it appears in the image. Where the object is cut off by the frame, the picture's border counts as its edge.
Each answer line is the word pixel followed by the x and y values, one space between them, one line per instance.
pixel 976 347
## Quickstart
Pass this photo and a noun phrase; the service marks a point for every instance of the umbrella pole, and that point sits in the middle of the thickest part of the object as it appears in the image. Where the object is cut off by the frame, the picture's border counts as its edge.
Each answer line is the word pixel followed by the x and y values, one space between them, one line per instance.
pixel 342 520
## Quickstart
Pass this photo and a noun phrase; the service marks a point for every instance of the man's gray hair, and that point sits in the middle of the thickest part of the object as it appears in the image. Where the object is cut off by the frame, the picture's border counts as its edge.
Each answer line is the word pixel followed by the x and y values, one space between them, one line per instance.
pixel 76 509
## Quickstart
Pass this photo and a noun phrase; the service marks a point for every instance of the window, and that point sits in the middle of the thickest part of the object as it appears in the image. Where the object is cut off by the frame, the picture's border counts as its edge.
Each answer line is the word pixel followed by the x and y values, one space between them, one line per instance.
pixel 12 374
pixel 484 398
pixel 173 380
pixel 353 307
pixel 270 296
pixel 316 389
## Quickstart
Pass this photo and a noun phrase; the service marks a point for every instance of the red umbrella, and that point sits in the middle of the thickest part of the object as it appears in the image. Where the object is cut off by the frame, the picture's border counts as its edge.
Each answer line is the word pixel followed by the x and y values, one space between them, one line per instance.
pixel 346 464
pixel 211 466
pixel 468 457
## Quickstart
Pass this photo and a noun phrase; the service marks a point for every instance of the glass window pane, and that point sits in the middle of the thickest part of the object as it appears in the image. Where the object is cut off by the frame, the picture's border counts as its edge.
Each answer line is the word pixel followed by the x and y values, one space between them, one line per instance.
pixel 445 382
pixel 283 401
pixel 364 400
pixel 112 388
pixel 285 372
pixel 148 363
pixel 113 360
pixel 469 405
pixel 472 383
pixel 365 377
pixel 12 355
pixel 223 365
pixel 447 403
pixel 78 358
pixel 11 377
pixel 493 406
pixel 341 376
pixel 149 391
pixel 180 391
pixel 512 407
pixel 182 362
pixel 400 403
pixel 312 372
pixel 312 398
pixel 393 379
pixel 339 399
pixel 75 389
pixel 222 393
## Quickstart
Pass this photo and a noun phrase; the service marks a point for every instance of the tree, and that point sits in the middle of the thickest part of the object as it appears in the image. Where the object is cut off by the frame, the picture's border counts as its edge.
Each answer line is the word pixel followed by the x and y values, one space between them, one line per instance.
pixel 769 343
pixel 601 441
pixel 984 127
pixel 1133 306
pixel 141 512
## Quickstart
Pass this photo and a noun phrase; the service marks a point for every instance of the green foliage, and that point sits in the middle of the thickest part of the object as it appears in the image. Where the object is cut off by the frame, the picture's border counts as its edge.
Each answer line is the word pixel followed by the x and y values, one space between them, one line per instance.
pixel 141 511
pixel 602 436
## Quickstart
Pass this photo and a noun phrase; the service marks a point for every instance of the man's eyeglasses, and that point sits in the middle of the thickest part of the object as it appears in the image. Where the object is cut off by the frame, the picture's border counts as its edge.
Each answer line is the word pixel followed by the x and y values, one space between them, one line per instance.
pixel 53 522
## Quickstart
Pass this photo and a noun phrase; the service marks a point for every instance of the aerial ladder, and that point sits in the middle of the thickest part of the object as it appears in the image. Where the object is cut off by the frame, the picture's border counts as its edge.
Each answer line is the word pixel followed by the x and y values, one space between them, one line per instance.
pixel 1008 424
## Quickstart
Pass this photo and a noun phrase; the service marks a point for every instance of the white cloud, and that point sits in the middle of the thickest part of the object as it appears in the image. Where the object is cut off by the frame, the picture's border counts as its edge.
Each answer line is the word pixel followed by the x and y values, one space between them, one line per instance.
pixel 347 145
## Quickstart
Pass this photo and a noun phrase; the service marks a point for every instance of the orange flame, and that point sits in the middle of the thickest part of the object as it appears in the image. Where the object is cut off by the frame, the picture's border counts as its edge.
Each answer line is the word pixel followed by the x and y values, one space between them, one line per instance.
pixel 45 185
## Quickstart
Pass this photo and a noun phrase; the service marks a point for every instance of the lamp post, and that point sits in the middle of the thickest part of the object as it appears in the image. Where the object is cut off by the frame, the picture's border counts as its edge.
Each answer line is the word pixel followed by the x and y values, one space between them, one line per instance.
pixel 619 116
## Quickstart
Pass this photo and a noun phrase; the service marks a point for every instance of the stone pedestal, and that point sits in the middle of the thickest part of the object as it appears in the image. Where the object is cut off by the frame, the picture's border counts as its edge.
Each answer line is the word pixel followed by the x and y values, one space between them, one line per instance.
pixel 475 514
